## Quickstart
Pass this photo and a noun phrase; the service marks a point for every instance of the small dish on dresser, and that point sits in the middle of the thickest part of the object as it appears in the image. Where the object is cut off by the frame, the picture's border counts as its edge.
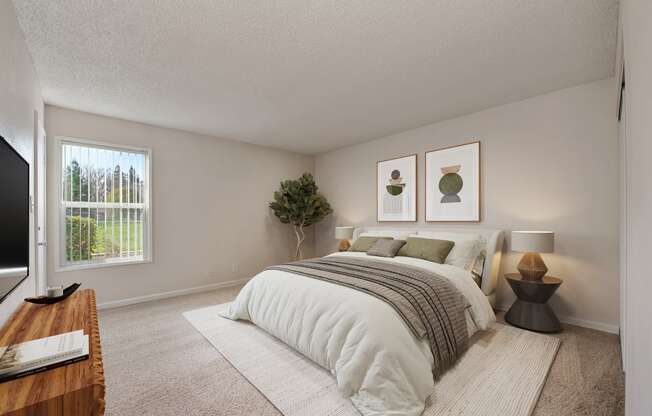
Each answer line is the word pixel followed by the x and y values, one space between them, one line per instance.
pixel 46 300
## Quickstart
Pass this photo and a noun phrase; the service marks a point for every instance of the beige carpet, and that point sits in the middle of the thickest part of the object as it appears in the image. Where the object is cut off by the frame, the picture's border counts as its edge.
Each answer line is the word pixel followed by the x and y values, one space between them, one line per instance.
pixel 156 363
pixel 501 374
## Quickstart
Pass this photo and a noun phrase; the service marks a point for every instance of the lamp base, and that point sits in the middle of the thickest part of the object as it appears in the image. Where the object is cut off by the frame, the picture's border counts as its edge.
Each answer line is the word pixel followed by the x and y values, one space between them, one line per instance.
pixel 344 245
pixel 532 266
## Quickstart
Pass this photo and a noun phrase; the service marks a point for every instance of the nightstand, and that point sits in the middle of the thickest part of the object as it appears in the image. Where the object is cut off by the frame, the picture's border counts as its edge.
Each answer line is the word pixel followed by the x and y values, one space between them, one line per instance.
pixel 531 310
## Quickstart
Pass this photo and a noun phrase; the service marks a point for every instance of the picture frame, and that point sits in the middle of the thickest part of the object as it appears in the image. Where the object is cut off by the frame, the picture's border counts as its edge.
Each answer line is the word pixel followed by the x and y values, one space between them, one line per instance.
pixel 453 183
pixel 396 189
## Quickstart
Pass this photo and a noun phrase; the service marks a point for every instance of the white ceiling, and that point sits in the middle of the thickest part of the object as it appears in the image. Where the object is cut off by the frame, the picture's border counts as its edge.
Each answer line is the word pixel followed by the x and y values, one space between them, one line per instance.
pixel 311 75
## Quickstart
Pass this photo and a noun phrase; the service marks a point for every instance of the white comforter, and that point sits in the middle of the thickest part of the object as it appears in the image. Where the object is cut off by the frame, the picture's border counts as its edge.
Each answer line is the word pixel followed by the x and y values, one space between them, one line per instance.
pixel 365 344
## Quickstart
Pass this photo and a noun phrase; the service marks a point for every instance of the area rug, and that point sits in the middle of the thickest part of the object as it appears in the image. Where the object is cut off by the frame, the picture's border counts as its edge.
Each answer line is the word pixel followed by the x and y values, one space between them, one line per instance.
pixel 501 374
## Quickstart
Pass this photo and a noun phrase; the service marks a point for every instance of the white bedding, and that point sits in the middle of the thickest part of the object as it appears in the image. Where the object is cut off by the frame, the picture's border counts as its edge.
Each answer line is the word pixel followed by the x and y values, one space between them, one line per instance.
pixel 360 339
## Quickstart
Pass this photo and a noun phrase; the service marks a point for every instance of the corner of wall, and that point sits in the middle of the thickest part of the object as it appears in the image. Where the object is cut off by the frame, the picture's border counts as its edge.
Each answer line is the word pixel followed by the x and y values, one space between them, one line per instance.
pixel 21 92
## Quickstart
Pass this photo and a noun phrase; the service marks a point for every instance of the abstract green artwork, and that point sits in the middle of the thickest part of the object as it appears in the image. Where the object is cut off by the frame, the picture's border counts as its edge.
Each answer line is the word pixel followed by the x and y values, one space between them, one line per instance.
pixel 453 183
pixel 396 189
pixel 450 184
pixel 396 185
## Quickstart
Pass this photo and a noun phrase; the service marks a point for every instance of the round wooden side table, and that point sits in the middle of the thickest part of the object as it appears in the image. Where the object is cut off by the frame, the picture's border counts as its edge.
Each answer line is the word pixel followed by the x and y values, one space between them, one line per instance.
pixel 530 311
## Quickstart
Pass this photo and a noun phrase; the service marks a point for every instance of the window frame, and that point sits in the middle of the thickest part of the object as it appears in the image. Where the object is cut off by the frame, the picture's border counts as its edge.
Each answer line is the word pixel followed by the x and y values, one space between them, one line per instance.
pixel 60 236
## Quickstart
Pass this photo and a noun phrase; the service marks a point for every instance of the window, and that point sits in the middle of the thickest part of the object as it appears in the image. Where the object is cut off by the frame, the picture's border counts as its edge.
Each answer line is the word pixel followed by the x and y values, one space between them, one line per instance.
pixel 104 204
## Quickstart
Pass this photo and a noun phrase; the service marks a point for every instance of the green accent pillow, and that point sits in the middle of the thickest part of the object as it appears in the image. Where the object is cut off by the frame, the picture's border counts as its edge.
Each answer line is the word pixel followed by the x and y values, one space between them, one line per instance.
pixel 365 243
pixel 429 249
pixel 386 248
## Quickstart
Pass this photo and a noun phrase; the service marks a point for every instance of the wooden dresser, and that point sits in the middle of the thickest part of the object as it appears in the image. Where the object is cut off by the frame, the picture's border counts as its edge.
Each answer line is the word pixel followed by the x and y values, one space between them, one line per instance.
pixel 73 389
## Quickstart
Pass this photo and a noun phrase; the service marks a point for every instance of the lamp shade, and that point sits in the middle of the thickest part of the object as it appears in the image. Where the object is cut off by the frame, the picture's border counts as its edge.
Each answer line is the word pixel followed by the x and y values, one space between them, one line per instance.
pixel 533 241
pixel 343 233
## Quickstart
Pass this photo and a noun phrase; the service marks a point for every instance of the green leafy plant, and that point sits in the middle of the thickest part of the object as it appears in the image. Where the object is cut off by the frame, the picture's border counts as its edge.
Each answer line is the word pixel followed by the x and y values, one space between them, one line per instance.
pixel 299 203
pixel 80 238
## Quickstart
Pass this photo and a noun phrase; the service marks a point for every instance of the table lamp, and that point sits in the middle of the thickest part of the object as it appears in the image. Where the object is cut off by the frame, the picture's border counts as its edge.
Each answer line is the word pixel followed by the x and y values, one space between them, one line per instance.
pixel 344 234
pixel 532 243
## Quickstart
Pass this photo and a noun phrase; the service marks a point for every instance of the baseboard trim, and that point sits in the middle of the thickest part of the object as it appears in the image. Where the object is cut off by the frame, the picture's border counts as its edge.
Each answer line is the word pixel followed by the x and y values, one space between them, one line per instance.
pixel 584 323
pixel 170 294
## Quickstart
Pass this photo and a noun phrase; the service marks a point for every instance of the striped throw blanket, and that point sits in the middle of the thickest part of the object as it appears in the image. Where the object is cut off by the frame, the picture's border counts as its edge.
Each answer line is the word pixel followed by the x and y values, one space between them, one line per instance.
pixel 428 303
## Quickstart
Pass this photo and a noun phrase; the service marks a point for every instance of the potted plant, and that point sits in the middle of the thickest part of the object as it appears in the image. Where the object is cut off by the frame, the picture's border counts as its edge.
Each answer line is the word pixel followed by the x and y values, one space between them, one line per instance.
pixel 299 203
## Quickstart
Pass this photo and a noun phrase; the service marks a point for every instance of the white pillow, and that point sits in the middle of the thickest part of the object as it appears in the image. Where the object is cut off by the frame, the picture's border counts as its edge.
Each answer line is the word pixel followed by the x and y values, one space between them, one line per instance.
pixel 395 234
pixel 466 249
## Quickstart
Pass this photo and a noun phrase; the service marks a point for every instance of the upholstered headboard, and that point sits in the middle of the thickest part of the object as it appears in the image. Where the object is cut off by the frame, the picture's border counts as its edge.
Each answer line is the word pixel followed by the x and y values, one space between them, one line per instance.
pixel 494 248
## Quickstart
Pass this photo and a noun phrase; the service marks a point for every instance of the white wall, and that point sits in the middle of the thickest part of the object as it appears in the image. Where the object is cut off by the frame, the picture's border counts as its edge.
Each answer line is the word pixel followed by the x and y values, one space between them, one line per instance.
pixel 20 96
pixel 549 162
pixel 636 18
pixel 209 207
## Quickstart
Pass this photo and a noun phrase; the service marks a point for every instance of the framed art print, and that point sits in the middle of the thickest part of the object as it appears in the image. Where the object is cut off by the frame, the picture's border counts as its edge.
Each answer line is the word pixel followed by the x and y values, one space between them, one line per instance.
pixel 396 189
pixel 453 183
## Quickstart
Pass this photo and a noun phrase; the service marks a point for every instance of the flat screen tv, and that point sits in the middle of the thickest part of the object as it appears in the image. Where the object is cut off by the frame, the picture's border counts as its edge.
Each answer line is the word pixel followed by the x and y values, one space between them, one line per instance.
pixel 14 219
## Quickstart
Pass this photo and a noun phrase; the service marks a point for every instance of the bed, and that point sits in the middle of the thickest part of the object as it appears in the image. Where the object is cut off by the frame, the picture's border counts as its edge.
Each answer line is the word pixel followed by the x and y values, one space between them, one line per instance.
pixel 377 358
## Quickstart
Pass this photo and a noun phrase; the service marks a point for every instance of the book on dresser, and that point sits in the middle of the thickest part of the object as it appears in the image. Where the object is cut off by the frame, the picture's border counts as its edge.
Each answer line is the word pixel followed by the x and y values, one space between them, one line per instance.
pixel 76 388
pixel 42 354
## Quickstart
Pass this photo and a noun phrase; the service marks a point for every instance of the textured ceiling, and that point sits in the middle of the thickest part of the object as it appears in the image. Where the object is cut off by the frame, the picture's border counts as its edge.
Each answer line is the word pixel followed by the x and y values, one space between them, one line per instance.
pixel 311 75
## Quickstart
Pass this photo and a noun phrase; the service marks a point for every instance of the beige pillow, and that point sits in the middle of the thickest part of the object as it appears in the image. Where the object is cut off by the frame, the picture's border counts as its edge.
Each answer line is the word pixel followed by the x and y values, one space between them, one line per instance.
pixel 364 243
pixel 427 249
pixel 386 248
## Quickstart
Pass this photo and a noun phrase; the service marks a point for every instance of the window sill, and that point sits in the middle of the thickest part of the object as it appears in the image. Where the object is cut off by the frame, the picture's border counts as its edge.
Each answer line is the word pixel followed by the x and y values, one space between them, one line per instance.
pixel 88 266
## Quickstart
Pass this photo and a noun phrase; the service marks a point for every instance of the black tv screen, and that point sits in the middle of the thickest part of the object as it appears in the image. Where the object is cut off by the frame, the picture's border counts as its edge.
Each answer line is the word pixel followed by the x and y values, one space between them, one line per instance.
pixel 14 218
